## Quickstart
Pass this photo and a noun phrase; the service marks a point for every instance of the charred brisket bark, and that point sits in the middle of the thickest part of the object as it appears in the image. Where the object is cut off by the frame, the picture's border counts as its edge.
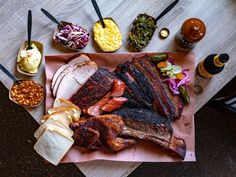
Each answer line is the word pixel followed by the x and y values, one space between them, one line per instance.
pixel 141 80
pixel 152 72
pixel 132 87
pixel 131 102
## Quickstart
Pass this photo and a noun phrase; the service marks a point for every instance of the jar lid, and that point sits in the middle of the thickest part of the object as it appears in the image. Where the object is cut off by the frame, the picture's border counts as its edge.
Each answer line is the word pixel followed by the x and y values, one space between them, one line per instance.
pixel 164 33
pixel 193 29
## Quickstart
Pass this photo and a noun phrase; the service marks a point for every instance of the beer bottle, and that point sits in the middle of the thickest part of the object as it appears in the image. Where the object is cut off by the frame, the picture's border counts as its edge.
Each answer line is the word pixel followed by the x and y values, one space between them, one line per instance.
pixel 213 64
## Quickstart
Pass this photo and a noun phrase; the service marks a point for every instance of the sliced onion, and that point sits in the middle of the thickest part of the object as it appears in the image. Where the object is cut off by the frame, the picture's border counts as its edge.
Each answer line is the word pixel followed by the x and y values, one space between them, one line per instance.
pixel 174 83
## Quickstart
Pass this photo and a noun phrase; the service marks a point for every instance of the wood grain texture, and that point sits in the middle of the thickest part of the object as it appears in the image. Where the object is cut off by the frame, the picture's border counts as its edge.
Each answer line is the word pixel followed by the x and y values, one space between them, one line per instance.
pixel 219 17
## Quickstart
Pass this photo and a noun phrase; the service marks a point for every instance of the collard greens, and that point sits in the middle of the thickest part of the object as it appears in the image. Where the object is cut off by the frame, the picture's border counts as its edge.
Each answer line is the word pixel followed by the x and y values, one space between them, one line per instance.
pixel 142 31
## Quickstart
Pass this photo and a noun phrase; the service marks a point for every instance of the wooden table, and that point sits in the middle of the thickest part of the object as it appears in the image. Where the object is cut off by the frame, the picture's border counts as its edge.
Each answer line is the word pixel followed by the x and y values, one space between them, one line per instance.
pixel 219 17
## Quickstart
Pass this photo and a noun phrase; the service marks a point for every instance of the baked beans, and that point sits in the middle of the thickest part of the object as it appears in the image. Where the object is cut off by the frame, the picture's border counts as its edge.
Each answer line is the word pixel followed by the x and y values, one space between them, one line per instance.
pixel 28 93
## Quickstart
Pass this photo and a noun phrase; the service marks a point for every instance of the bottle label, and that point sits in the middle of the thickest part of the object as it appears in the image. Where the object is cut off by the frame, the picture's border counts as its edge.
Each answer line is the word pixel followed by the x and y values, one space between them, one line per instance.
pixel 203 72
pixel 184 42
pixel 217 62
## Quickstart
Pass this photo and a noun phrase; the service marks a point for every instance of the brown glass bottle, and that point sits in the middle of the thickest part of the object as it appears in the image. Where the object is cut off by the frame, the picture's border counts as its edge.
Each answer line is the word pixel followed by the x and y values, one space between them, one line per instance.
pixel 213 64
pixel 192 31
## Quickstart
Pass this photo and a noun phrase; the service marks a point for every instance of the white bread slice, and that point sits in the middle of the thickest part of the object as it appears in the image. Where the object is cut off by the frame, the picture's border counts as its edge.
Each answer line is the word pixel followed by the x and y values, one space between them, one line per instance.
pixel 60 102
pixel 53 145
pixel 62 116
pixel 51 123
pixel 63 102
pixel 74 112
pixel 60 108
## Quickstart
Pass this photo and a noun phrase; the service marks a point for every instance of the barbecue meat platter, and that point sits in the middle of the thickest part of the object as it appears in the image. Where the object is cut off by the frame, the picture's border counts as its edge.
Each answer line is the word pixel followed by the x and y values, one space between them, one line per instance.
pixel 110 110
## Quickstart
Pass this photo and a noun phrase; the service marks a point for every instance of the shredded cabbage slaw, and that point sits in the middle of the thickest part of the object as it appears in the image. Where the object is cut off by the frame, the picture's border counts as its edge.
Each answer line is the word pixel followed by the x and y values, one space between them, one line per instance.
pixel 73 36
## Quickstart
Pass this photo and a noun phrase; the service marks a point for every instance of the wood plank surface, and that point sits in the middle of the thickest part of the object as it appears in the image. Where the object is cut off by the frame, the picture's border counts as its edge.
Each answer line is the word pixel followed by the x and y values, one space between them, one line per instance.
pixel 219 17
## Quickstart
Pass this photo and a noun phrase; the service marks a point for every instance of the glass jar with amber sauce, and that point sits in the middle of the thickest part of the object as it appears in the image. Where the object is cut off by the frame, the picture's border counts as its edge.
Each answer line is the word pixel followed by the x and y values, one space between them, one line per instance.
pixel 192 31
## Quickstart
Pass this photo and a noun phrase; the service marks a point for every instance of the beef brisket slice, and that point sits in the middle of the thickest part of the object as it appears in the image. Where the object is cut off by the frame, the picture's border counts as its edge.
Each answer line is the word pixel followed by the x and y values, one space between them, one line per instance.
pixel 141 80
pixel 162 104
pixel 158 104
pixel 132 87
pixel 94 89
pixel 131 102
pixel 175 99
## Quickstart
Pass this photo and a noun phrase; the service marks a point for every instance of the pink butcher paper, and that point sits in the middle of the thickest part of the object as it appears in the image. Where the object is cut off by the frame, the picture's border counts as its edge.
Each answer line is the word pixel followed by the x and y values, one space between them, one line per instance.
pixel 143 151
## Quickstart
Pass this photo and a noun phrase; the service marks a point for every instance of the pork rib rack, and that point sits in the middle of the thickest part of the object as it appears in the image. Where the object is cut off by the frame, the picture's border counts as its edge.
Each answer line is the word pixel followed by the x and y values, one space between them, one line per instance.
pixel 94 89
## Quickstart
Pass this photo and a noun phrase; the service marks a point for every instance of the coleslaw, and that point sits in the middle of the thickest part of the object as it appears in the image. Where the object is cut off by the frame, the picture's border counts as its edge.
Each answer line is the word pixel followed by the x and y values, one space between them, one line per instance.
pixel 73 36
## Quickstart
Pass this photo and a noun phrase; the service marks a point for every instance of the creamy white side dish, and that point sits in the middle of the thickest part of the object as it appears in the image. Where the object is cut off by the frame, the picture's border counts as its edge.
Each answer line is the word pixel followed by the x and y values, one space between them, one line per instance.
pixel 29 60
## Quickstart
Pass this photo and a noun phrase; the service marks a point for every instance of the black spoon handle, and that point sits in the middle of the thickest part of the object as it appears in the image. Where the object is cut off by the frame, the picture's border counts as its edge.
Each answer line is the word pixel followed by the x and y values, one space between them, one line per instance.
pixel 29 28
pixel 95 5
pixel 167 9
pixel 8 73
pixel 52 18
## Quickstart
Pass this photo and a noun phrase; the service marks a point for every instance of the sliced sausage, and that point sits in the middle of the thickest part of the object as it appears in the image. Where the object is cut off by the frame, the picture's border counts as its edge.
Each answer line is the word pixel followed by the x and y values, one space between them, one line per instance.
pixel 103 100
pixel 114 104
pixel 94 111
pixel 118 88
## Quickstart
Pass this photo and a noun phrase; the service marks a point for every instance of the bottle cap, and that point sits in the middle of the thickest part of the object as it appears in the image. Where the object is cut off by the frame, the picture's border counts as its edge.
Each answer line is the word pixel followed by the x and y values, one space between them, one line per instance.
pixel 164 33
pixel 198 89
pixel 224 57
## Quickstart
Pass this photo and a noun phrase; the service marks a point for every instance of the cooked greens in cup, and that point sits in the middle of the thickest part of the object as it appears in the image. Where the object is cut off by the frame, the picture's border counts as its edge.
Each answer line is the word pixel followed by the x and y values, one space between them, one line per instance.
pixel 142 31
